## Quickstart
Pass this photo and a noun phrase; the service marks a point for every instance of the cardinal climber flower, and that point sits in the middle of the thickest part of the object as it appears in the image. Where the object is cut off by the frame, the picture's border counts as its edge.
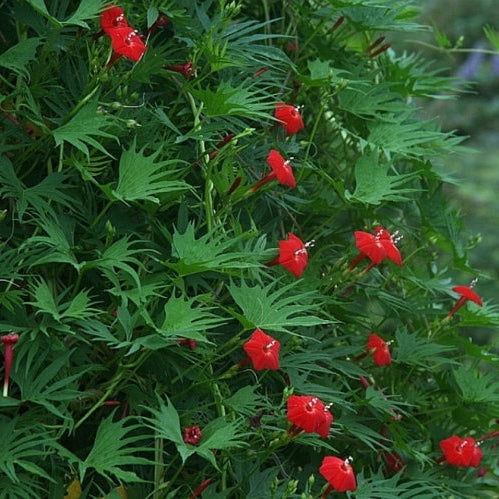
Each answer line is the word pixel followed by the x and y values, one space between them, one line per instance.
pixel 127 43
pixel 376 247
pixel 9 340
pixel 289 116
pixel 293 255
pixel 380 351
pixel 281 170
pixel 192 435
pixel 466 293
pixel 309 414
pixel 112 18
pixel 461 451
pixel 263 350
pixel 339 474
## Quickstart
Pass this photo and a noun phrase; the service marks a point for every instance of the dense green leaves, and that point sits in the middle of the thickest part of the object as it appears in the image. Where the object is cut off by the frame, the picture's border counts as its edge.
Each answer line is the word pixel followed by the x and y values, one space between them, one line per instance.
pixel 137 260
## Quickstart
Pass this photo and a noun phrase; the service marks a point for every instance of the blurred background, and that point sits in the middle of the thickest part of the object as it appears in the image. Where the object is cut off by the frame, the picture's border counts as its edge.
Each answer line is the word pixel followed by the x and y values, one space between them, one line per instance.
pixel 474 114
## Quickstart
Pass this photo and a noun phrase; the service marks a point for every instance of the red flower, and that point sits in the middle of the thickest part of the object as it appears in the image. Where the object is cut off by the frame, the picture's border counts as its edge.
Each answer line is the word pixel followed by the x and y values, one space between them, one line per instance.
pixel 290 117
pixel 466 293
pixel 389 242
pixel 376 247
pixel 186 69
pixel 293 255
pixel 338 473
pixel 126 42
pixel 461 451
pixel 192 435
pixel 192 344
pixel 281 169
pixel 380 350
pixel 309 414
pixel 394 461
pixel 263 350
pixel 9 340
pixel 112 18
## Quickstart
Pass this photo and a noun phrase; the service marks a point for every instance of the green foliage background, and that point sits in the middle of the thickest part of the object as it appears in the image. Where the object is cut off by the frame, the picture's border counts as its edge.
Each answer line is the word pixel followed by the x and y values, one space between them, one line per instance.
pixel 119 239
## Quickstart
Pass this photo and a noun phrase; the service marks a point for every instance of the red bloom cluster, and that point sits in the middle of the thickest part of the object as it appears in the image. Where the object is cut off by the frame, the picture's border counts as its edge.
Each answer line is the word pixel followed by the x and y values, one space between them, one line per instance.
pixel 461 451
pixel 263 350
pixel 192 435
pixel 380 350
pixel 289 116
pixel 339 473
pixel 293 255
pixel 125 40
pixel 376 247
pixel 309 414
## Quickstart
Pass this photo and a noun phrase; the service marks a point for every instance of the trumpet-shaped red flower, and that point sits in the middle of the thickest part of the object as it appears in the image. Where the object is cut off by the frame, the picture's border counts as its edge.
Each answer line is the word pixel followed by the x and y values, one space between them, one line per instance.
pixel 394 461
pixel 112 18
pixel 186 69
pixel 308 413
pixel 289 116
pixel 293 255
pixel 376 247
pixel 281 170
pixel 380 350
pixel 466 293
pixel 9 340
pixel 461 451
pixel 339 473
pixel 192 435
pixel 127 43
pixel 263 350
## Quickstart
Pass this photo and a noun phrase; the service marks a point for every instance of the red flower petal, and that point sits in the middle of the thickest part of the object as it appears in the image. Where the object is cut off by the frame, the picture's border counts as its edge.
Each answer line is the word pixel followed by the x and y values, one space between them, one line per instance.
pixel 309 413
pixel 289 116
pixel 112 18
pixel 127 42
pixel 293 255
pixel 263 350
pixel 338 473
pixel 468 293
pixel 461 451
pixel 381 353
pixel 386 239
pixel 192 435
pixel 370 245
pixel 281 168
pixel 325 424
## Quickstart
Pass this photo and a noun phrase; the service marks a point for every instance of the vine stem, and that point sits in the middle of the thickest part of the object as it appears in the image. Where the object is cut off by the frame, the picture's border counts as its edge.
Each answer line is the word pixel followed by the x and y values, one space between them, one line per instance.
pixel 454 50
pixel 119 378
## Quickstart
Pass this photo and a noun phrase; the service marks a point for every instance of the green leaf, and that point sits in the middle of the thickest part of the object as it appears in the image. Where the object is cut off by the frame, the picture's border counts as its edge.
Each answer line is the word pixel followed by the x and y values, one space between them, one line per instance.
pixel 184 319
pixel 141 178
pixel 477 388
pixel 441 38
pixel 115 448
pixel 412 349
pixel 374 185
pixel 87 9
pixel 83 128
pixel 275 307
pixel 53 189
pixel 320 70
pixel 492 35
pixel 227 100
pixel 21 447
pixel 41 8
pixel 43 384
pixel 19 56
pixel 208 252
